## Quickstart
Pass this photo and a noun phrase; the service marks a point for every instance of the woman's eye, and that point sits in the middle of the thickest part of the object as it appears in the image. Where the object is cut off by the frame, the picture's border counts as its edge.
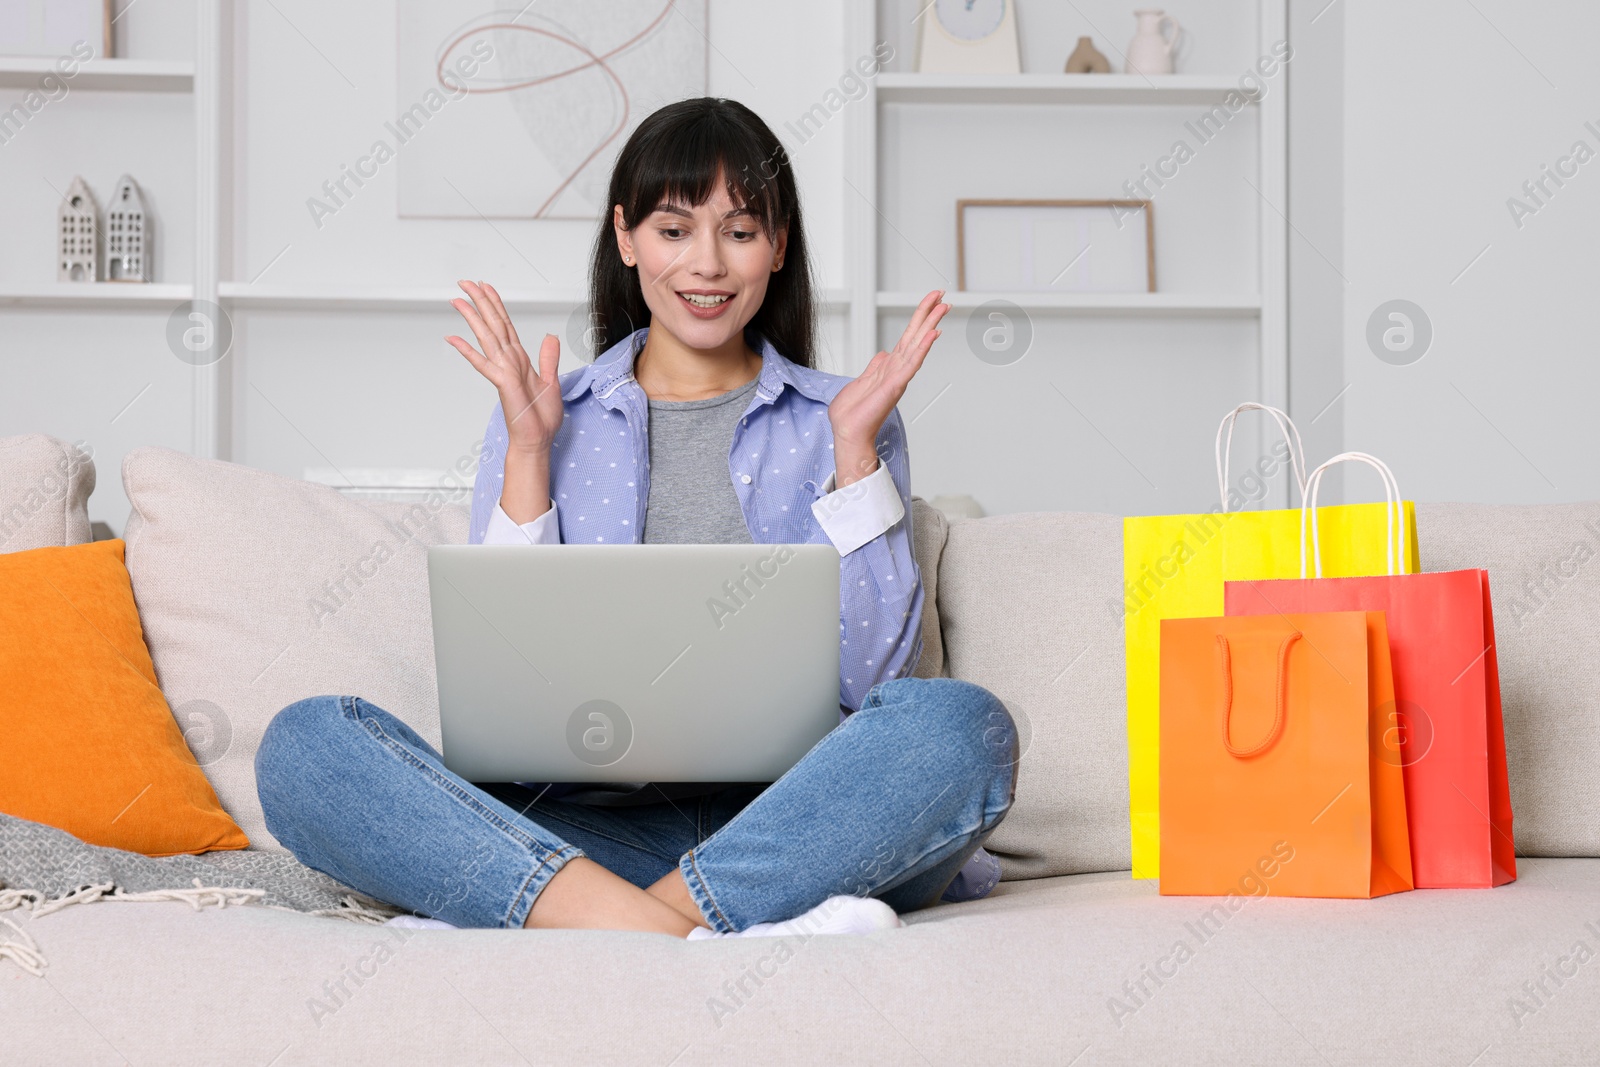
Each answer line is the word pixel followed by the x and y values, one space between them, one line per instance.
pixel 743 234
pixel 668 231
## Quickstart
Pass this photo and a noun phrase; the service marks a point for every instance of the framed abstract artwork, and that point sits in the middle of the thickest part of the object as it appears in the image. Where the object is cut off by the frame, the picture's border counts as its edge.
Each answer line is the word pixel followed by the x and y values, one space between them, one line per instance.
pixel 523 111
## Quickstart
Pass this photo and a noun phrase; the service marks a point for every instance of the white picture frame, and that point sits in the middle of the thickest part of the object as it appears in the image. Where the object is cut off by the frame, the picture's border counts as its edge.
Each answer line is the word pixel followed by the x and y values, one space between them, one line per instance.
pixel 1063 246
pixel 52 27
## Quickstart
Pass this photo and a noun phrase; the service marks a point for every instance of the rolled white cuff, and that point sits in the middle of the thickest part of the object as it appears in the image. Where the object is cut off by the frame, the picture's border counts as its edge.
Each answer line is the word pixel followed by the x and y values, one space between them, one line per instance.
pixel 860 511
pixel 545 530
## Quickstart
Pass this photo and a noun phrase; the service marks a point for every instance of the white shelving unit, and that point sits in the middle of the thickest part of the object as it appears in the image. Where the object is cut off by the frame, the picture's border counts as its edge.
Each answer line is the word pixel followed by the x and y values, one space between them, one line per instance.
pixel 389 298
pixel 866 187
pixel 203 82
pixel 93 295
pixel 264 297
pixel 1050 89
pixel 102 75
pixel 1247 306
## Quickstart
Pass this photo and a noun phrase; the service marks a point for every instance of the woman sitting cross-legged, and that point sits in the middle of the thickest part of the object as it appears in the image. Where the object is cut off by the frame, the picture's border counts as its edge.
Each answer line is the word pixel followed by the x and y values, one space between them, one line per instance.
pixel 887 813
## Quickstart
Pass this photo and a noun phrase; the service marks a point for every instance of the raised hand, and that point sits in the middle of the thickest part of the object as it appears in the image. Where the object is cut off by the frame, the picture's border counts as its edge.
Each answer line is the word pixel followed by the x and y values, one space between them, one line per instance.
pixel 531 398
pixel 858 411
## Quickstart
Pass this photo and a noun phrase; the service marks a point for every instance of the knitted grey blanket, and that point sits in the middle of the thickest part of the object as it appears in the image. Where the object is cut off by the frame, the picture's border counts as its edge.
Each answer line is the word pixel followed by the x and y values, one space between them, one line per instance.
pixel 45 869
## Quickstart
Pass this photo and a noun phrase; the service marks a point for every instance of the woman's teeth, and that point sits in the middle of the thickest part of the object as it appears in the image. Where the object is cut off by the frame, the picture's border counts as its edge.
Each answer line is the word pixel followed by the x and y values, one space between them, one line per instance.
pixel 703 301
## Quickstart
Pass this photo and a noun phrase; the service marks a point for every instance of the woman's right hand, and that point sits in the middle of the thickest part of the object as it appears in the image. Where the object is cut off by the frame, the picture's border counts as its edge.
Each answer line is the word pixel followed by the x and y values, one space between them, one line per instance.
pixel 531 399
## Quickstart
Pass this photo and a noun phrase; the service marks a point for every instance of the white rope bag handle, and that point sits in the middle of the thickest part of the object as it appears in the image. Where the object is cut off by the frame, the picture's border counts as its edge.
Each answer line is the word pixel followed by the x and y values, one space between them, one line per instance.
pixel 1394 511
pixel 1291 435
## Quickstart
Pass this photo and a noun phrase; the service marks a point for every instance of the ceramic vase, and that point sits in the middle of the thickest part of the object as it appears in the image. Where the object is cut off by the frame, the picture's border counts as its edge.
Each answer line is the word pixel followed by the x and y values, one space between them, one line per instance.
pixel 1152 49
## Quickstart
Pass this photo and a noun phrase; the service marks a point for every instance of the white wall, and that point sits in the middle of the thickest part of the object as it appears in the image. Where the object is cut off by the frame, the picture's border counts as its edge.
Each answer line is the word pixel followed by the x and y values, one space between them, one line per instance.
pixel 1316 236
pixel 1448 110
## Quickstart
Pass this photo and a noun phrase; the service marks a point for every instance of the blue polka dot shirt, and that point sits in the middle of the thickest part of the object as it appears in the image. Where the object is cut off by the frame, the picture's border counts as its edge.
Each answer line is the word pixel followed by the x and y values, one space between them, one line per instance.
pixel 780 463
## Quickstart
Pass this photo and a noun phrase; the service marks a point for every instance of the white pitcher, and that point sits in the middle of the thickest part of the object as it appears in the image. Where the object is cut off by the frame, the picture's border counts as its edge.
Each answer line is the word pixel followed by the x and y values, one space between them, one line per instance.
pixel 1152 49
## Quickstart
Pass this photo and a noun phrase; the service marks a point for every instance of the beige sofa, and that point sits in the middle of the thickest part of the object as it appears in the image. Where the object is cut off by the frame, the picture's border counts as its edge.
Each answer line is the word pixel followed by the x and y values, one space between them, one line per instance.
pixel 256 590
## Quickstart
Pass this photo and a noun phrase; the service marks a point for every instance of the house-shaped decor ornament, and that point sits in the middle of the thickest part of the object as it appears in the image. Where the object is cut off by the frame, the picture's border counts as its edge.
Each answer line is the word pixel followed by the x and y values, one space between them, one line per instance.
pixel 127 234
pixel 78 254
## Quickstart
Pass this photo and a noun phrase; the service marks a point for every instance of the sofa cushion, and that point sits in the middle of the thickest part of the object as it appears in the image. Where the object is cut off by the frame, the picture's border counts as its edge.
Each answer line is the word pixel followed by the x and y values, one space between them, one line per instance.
pixel 1031 606
pixel 257 591
pixel 90 745
pixel 44 492
pixel 1088 967
pixel 929 528
pixel 1544 579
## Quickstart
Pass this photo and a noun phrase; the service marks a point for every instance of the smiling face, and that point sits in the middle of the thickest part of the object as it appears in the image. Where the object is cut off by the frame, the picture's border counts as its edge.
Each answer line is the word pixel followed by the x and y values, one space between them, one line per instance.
pixel 703 268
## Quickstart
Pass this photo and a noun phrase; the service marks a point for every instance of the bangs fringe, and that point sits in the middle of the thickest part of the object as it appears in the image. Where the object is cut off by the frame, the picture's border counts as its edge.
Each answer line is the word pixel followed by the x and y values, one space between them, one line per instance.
pixel 686 172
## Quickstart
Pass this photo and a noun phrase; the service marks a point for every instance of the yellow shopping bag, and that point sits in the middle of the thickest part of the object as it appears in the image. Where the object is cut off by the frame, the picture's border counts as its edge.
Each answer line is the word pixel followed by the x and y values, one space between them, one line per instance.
pixel 1173 567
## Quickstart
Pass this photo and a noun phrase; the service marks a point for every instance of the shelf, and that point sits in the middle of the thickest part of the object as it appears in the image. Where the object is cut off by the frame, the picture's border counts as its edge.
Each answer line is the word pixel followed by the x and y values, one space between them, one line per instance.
pixel 1248 306
pixel 333 298
pixel 94 294
pixel 1158 90
pixel 336 298
pixel 109 75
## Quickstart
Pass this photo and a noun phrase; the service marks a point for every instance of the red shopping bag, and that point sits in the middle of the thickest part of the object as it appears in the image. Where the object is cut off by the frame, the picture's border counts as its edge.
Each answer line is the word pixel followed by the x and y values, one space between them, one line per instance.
pixel 1446 734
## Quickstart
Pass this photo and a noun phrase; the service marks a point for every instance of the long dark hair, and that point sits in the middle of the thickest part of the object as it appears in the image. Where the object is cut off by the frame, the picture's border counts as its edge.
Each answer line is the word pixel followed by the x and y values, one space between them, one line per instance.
pixel 674 155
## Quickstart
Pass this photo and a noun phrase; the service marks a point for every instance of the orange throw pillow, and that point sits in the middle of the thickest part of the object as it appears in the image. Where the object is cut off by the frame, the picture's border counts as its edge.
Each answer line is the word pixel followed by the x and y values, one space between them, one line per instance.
pixel 87 742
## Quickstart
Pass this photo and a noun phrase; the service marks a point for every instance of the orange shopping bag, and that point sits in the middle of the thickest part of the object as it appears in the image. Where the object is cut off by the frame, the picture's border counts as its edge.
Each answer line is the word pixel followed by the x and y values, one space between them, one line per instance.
pixel 1272 771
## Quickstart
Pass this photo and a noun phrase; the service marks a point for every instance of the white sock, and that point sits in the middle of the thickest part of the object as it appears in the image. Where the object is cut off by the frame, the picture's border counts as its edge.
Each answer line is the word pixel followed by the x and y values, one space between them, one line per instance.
pixel 417 922
pixel 836 915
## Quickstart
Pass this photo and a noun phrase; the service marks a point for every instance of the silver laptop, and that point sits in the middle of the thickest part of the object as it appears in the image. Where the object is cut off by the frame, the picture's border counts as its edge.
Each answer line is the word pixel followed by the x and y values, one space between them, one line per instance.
pixel 634 663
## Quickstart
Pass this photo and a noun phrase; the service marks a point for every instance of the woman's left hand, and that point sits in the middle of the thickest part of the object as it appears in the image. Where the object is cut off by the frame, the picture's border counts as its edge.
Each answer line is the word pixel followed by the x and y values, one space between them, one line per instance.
pixel 859 409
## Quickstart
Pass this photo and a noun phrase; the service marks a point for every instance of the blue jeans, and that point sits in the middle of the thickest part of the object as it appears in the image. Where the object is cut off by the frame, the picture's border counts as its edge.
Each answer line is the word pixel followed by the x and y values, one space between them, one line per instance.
pixel 890 804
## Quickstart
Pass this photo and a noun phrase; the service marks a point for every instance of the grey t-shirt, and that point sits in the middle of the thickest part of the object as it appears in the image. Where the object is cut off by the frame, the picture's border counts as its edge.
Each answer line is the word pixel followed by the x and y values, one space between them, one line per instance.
pixel 691 502
pixel 691 496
